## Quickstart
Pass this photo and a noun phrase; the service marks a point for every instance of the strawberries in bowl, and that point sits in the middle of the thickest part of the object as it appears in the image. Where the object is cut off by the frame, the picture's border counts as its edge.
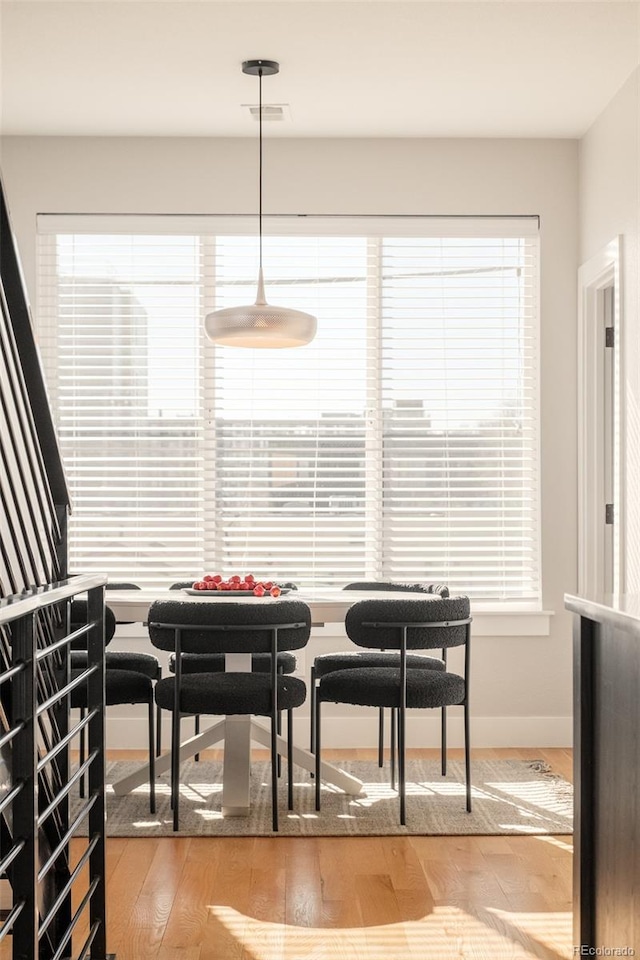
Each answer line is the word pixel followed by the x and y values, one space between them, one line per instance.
pixel 237 584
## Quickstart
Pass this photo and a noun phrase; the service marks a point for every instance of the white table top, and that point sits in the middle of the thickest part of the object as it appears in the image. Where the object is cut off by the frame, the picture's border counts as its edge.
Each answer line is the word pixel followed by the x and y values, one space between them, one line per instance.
pixel 327 605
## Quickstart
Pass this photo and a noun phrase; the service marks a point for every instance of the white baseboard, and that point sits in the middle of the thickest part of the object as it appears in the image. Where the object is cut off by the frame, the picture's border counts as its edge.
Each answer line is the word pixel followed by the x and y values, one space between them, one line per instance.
pixel 130 731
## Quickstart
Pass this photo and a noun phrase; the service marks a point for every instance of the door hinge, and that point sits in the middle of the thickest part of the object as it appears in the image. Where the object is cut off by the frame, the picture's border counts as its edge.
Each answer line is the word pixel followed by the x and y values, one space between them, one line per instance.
pixel 608 513
pixel 609 336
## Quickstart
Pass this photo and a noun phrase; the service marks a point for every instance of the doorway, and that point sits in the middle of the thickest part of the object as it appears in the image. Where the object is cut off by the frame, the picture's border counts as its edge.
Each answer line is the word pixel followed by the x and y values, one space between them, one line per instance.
pixel 600 412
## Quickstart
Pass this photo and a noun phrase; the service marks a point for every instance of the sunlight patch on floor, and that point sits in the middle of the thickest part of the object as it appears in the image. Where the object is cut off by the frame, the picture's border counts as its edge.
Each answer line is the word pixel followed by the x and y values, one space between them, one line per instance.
pixel 447 933
pixel 553 930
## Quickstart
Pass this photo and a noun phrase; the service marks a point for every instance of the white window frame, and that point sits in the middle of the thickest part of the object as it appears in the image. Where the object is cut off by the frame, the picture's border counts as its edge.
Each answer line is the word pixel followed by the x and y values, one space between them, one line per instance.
pixel 499 618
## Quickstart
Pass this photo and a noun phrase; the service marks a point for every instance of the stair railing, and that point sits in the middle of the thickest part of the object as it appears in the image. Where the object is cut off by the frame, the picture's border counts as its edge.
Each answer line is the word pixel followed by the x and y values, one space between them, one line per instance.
pixel 47 875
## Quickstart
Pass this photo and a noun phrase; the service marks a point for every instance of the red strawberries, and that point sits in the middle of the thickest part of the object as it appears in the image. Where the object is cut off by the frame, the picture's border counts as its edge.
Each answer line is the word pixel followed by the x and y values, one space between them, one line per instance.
pixel 247 584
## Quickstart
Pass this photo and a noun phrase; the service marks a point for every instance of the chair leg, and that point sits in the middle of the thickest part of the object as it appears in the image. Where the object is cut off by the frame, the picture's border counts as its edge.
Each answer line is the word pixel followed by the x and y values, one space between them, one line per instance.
pixel 443 742
pixel 158 720
pixel 381 737
pixel 274 775
pixel 290 758
pixel 312 710
pixel 171 783
pixel 152 759
pixel 443 725
pixel 392 746
pixel 467 754
pixel 402 782
pixel 175 768
pixel 196 730
pixel 317 751
pixel 279 731
pixel 82 751
pixel 279 761
pixel 158 731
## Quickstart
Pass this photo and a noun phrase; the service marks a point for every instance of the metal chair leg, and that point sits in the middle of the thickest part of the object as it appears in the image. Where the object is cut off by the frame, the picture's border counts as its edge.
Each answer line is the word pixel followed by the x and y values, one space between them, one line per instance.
pixel 392 746
pixel 381 737
pixel 279 728
pixel 317 751
pixel 290 758
pixel 158 731
pixel 158 720
pixel 152 759
pixel 402 782
pixel 467 754
pixel 175 768
pixel 279 732
pixel 443 727
pixel 312 708
pixel 443 741
pixel 196 730
pixel 274 775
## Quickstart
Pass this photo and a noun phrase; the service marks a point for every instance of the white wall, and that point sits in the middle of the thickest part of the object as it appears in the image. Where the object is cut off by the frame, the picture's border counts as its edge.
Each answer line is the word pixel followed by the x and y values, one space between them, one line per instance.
pixel 609 160
pixel 522 685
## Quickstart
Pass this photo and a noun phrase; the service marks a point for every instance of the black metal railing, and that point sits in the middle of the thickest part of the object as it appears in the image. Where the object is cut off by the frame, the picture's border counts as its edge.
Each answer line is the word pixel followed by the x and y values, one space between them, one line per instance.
pixel 58 908
pixel 36 782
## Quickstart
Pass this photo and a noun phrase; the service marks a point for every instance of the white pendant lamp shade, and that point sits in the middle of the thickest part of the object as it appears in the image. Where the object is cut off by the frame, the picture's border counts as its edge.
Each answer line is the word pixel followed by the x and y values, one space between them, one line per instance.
pixel 260 324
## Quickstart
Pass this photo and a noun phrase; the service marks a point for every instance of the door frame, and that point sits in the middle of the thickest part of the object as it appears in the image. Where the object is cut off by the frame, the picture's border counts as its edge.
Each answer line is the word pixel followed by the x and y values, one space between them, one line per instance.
pixel 594 277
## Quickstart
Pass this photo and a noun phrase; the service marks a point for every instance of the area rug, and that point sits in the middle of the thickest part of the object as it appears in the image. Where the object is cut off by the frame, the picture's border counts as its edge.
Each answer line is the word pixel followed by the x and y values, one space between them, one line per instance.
pixel 509 797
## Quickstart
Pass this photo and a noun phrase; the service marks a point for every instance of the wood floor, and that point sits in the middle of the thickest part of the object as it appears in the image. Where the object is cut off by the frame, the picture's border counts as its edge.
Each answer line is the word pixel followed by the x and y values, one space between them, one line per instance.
pixel 374 898
pixel 370 898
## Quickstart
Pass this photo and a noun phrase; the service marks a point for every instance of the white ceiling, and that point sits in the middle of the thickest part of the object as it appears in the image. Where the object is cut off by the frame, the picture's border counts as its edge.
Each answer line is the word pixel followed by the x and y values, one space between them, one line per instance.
pixel 387 68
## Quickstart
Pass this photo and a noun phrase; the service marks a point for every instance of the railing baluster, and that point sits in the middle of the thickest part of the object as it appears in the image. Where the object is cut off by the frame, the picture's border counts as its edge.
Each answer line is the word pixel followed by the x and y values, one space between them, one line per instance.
pixel 97 771
pixel 24 872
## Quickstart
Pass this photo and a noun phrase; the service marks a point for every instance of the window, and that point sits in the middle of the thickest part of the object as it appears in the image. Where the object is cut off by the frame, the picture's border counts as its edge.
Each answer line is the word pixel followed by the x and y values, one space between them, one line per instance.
pixel 401 444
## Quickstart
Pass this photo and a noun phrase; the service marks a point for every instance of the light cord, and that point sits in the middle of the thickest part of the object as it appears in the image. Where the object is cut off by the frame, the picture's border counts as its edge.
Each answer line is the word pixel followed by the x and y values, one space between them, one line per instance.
pixel 260 165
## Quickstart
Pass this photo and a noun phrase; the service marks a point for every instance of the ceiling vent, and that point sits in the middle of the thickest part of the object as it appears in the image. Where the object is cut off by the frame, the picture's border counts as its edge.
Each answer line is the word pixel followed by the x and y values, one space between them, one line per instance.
pixel 270 111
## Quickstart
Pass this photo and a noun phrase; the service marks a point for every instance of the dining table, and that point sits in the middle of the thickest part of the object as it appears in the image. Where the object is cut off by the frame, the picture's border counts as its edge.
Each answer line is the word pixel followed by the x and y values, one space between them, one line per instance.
pixel 328 606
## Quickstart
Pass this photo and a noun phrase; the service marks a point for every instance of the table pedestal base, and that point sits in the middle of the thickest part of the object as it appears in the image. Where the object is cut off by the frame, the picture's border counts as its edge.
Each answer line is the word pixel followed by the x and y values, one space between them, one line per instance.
pixel 238 732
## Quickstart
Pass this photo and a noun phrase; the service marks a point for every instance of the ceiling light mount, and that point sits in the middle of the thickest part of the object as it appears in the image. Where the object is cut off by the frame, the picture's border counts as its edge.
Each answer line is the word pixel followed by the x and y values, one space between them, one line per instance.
pixel 260 324
pixel 260 68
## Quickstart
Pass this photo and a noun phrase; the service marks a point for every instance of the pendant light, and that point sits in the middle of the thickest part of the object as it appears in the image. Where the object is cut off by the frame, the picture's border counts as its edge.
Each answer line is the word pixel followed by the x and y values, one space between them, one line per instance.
pixel 260 324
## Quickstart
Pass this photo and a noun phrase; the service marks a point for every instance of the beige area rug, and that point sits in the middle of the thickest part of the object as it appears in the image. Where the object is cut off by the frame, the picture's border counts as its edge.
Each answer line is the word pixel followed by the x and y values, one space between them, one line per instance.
pixel 509 797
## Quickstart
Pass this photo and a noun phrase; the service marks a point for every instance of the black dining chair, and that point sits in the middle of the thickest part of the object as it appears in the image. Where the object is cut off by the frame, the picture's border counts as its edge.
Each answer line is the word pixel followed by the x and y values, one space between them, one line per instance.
pixel 214 663
pixel 200 629
pixel 134 660
pixel 141 662
pixel 124 683
pixel 402 625
pixel 115 659
pixel 346 660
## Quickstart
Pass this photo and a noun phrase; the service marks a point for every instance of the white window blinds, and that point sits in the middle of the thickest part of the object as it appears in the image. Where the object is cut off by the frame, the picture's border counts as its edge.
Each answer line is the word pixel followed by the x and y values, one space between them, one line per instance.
pixel 401 444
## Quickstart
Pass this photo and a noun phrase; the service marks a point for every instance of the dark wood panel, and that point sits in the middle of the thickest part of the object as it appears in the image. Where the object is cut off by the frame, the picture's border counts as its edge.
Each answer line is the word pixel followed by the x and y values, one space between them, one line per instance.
pixel 607 780
pixel 583 768
pixel 616 786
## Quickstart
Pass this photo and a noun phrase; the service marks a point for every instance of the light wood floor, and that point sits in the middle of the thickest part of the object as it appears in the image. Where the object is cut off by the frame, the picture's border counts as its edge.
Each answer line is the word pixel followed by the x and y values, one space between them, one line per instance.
pixel 370 898
pixel 374 898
